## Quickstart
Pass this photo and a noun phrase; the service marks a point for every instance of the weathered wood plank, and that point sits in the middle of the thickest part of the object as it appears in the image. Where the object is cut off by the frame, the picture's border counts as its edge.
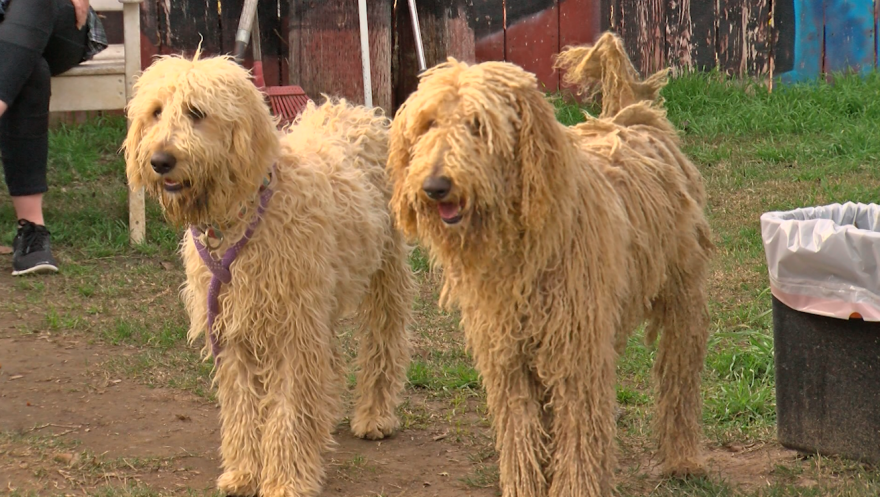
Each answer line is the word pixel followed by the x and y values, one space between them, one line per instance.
pixel 150 36
pixel 294 45
pixel 329 56
pixel 808 42
pixel 783 36
pixel 284 41
pixel 731 37
pixel 849 35
pixel 188 25
pixel 532 40
pixel 643 28
pixel 679 46
pixel 653 35
pixel 379 30
pixel 214 42
pixel 270 28
pixel 756 44
pixel 626 18
pixel 703 34
pixel 230 13
pixel 605 7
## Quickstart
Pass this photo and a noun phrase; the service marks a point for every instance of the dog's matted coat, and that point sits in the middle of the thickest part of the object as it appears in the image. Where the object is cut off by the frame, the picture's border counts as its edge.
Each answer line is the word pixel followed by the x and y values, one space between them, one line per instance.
pixel 556 243
pixel 203 142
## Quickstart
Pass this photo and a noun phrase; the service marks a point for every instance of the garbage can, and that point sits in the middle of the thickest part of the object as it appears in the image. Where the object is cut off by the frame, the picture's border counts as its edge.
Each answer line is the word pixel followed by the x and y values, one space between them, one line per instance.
pixel 824 267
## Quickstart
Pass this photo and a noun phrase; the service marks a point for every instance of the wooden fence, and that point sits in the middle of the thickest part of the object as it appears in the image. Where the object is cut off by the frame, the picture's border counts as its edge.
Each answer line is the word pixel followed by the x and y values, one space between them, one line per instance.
pixel 315 43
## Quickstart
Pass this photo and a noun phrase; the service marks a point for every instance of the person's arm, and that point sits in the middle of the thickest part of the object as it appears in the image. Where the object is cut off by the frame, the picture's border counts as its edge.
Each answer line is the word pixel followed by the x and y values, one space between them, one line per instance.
pixel 81 7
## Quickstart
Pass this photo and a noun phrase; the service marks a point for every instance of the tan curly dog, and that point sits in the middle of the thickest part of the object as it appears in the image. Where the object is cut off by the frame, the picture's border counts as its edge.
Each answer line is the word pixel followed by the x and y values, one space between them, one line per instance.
pixel 556 243
pixel 322 246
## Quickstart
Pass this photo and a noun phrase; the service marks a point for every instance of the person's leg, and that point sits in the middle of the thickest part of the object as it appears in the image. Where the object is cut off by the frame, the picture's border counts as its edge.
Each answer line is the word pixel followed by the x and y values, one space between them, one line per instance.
pixel 29 207
pixel 24 144
pixel 40 35
pixel 24 34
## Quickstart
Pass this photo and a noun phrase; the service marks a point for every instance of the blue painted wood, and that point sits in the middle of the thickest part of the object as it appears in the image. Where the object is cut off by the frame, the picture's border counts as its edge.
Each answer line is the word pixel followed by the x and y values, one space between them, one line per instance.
pixel 807 42
pixel 849 35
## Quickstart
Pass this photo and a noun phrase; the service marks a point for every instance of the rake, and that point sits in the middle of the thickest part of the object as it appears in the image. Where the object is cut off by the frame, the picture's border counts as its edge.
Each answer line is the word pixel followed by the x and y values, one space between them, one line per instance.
pixel 286 102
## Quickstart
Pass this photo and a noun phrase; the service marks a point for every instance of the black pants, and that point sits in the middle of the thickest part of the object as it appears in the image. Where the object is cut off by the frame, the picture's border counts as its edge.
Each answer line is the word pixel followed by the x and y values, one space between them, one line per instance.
pixel 38 39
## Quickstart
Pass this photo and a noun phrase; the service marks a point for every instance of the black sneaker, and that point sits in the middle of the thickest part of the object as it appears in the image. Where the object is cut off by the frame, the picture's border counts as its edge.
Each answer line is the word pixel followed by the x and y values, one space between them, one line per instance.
pixel 31 252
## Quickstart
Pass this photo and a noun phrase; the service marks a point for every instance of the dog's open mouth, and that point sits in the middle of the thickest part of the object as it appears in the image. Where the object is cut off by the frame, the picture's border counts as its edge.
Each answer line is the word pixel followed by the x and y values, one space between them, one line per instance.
pixel 450 212
pixel 174 186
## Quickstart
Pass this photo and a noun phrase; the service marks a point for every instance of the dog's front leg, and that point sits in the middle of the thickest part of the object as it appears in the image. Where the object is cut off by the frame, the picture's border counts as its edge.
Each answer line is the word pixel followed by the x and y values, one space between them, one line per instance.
pixel 302 393
pixel 513 400
pixel 238 393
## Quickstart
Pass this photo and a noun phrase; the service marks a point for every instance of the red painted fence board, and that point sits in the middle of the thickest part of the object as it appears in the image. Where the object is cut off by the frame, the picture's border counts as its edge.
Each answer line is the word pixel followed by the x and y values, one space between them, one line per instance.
pixel 532 42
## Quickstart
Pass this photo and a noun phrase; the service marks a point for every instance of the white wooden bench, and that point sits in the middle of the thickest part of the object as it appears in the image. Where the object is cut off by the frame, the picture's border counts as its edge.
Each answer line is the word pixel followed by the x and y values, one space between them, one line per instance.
pixel 104 83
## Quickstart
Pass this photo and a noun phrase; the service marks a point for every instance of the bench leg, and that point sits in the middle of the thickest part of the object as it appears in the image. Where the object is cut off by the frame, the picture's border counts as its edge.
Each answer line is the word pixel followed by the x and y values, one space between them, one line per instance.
pixel 136 216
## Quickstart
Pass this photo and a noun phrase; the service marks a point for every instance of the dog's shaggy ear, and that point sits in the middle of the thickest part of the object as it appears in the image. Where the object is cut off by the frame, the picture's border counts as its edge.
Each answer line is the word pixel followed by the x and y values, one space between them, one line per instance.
pixel 398 161
pixel 133 137
pixel 543 152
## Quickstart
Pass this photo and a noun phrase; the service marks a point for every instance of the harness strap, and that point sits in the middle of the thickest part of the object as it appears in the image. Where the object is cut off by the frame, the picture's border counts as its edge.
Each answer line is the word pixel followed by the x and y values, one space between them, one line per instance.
pixel 220 272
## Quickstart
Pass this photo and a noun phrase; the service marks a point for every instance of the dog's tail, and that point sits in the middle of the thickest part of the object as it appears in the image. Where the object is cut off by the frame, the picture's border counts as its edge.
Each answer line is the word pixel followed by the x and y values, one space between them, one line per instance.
pixel 605 67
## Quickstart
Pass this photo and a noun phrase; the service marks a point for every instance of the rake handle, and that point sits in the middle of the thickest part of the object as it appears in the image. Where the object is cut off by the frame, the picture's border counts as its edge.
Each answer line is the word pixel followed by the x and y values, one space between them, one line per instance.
pixel 417 34
pixel 243 35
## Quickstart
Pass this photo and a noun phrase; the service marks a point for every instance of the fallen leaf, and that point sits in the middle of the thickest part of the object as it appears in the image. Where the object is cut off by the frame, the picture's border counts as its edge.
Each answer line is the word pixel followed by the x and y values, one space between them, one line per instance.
pixel 444 474
pixel 4 250
pixel 183 417
pixel 167 265
pixel 15 377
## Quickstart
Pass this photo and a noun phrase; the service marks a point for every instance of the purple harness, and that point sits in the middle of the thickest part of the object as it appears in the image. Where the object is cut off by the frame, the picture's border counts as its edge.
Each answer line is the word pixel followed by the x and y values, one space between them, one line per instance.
pixel 220 268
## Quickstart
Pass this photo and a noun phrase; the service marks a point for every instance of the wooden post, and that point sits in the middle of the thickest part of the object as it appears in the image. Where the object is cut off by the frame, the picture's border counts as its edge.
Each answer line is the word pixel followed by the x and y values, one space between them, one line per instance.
pixel 137 223
pixel 325 54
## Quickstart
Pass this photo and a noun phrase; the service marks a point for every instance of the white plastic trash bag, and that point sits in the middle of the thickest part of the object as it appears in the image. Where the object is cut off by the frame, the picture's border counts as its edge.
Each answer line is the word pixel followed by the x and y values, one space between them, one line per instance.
pixel 825 260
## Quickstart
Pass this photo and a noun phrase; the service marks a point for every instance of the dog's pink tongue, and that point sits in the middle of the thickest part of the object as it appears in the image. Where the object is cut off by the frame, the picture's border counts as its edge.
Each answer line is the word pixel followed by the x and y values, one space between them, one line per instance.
pixel 449 210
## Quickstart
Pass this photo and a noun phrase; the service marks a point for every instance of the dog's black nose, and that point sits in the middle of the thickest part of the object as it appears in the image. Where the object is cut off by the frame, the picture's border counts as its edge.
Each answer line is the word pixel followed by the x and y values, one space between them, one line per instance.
pixel 437 187
pixel 163 162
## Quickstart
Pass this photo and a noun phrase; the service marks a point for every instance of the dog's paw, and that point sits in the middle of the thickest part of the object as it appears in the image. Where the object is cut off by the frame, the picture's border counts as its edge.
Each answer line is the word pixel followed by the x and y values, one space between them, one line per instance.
pixel 238 484
pixel 374 428
pixel 683 468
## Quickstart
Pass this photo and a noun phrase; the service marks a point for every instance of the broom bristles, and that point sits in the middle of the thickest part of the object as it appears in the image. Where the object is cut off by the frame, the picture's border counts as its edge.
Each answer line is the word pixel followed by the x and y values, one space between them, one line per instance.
pixel 606 67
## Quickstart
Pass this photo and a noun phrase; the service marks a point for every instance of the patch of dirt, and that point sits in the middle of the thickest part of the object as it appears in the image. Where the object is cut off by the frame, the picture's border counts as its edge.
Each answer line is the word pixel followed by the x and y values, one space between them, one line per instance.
pixel 749 467
pixel 53 407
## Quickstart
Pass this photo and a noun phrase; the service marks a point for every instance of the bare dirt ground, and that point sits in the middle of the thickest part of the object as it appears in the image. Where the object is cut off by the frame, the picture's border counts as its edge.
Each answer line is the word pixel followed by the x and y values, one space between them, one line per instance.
pixel 168 440
pixel 68 427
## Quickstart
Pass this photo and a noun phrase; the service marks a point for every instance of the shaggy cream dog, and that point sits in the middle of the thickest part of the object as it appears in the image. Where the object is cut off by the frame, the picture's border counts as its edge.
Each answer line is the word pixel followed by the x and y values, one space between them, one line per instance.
pixel 556 243
pixel 322 245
